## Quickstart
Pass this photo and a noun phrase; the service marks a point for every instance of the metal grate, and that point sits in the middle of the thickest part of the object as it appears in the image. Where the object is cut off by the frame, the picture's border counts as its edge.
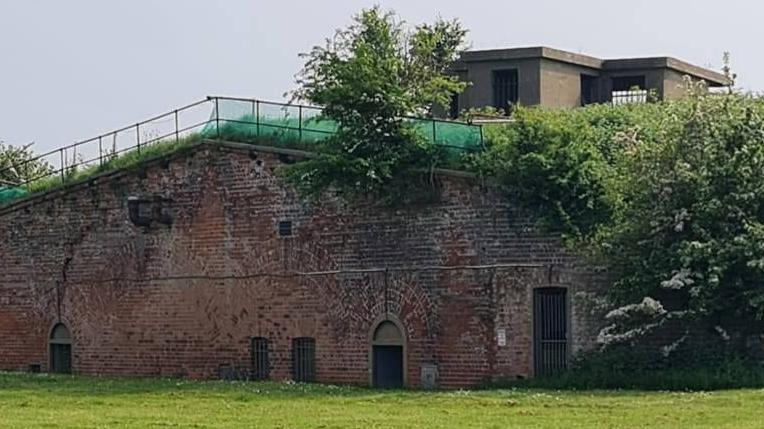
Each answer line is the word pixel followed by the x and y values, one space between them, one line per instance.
pixel 304 359
pixel 504 89
pixel 61 358
pixel 285 228
pixel 637 96
pixel 550 323
pixel 629 89
pixel 260 362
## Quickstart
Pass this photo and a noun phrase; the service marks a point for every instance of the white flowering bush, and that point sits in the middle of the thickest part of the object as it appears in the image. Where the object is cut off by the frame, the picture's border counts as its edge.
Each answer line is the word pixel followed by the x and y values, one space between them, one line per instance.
pixel 667 197
pixel 16 165
pixel 690 230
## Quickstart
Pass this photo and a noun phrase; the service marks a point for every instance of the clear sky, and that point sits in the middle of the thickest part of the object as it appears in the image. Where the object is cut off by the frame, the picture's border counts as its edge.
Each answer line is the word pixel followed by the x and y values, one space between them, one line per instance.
pixel 73 69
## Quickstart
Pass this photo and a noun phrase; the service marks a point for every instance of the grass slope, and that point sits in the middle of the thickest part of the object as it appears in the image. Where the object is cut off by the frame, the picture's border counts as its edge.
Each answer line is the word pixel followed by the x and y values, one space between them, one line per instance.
pixel 28 401
pixel 279 134
pixel 123 160
pixel 131 158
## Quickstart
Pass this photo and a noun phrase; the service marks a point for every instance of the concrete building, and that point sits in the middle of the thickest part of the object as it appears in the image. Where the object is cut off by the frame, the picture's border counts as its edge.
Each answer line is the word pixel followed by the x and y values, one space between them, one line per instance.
pixel 554 78
pixel 204 264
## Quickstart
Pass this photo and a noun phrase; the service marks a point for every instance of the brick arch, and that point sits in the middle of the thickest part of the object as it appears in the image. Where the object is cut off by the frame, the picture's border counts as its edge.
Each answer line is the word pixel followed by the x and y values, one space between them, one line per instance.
pixel 379 322
pixel 360 298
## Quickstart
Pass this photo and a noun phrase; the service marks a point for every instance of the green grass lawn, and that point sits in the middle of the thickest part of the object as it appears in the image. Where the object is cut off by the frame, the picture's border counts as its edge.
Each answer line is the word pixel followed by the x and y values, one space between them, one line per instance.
pixel 28 401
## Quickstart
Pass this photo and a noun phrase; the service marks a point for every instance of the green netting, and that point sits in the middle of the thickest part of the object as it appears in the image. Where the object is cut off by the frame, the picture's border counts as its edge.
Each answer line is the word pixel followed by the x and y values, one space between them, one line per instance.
pixel 245 120
pixel 9 194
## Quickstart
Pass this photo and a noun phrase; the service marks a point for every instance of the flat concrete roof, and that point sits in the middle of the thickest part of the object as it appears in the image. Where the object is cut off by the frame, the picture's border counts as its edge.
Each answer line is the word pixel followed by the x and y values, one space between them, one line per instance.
pixel 531 52
pixel 617 64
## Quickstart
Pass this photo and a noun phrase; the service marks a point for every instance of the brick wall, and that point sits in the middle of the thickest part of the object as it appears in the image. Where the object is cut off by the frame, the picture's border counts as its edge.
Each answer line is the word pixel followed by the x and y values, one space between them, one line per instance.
pixel 184 298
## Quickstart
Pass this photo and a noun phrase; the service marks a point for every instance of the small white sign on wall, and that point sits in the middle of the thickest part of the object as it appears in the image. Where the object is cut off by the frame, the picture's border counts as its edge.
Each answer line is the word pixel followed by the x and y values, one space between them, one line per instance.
pixel 502 337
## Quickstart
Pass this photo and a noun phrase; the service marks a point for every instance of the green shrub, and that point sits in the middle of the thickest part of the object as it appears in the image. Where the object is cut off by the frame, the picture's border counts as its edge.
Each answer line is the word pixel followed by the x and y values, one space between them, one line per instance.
pixel 668 197
pixel 643 370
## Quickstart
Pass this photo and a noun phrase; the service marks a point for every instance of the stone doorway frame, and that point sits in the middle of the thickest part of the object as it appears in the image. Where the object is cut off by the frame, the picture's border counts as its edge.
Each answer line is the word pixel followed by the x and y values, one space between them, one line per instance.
pixel 401 342
pixel 60 336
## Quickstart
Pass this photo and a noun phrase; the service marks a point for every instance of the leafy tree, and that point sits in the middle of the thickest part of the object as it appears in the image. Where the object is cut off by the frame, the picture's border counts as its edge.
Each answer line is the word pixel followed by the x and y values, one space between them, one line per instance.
pixel 563 164
pixel 689 238
pixel 668 197
pixel 369 78
pixel 16 165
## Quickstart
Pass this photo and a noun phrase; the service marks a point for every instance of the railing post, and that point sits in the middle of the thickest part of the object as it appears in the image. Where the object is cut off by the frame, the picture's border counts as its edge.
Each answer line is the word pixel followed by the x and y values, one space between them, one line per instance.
pixel 254 108
pixel 138 136
pixel 100 151
pixel 217 117
pixel 257 116
pixel 61 153
pixel 482 144
pixel 177 129
pixel 434 137
pixel 299 123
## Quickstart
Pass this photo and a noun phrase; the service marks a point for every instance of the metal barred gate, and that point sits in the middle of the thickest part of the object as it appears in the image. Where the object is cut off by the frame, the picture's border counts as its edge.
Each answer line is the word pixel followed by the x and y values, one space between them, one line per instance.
pixel 304 359
pixel 550 331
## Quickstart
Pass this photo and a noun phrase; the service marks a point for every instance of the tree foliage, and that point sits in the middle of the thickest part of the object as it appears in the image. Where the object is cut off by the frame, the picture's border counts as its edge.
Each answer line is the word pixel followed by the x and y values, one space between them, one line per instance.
pixel 668 197
pixel 562 164
pixel 690 232
pixel 17 166
pixel 369 78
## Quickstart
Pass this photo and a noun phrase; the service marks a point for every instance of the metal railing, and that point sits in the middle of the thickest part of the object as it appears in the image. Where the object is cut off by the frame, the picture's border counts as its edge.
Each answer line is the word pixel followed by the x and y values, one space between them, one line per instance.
pixel 99 150
pixel 207 118
pixel 639 96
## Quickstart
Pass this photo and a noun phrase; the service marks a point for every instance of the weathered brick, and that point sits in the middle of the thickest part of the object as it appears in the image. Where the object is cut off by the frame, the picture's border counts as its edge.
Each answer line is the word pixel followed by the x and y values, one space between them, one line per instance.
pixel 185 298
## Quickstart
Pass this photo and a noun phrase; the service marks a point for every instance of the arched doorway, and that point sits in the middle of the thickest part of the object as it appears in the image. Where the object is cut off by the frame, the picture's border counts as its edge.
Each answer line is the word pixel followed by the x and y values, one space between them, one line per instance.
pixel 388 356
pixel 61 349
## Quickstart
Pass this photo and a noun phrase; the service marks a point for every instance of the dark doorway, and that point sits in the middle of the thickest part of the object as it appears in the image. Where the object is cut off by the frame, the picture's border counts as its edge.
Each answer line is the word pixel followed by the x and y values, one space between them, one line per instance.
pixel 588 89
pixel 61 350
pixel 550 331
pixel 388 367
pixel 453 108
pixel 260 362
pixel 388 356
pixel 505 89
pixel 304 359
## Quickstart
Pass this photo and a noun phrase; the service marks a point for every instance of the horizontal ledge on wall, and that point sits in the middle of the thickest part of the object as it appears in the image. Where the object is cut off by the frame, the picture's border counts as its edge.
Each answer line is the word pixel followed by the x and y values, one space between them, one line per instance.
pixel 306 154
pixel 294 274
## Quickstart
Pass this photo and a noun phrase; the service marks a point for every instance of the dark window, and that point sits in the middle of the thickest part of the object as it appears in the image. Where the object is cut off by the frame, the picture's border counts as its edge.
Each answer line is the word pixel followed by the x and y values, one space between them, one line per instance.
pixel 504 89
pixel 304 359
pixel 588 89
pixel 629 89
pixel 143 212
pixel 260 363
pixel 140 211
pixel 627 83
pixel 61 350
pixel 454 107
pixel 285 228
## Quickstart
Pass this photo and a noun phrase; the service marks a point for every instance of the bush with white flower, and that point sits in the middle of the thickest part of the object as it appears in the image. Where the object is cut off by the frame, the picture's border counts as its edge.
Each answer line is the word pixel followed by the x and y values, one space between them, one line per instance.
pixel 667 197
